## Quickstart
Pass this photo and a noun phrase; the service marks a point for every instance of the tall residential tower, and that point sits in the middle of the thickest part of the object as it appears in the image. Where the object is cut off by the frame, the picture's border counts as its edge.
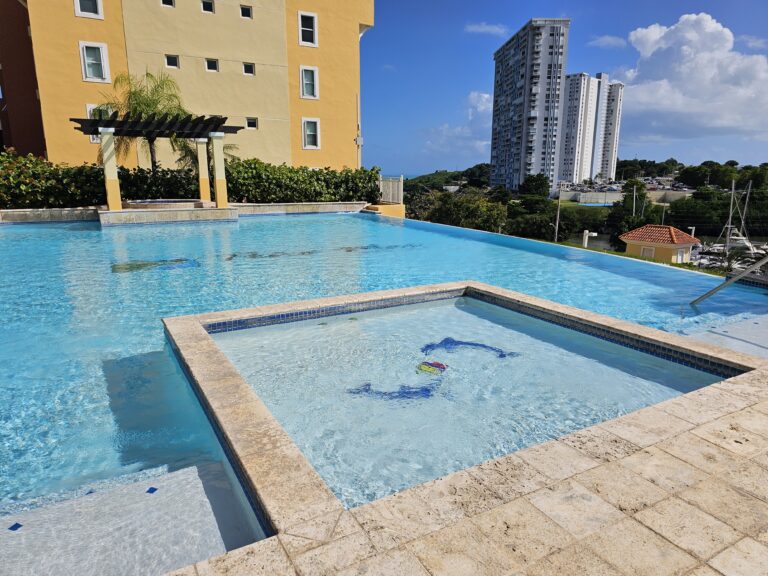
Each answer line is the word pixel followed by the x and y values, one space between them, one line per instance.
pixel 528 102
pixel 591 123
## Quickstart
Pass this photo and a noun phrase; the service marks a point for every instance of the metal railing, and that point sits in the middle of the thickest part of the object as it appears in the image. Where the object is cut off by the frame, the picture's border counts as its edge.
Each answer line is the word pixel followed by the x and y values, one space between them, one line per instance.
pixel 391 189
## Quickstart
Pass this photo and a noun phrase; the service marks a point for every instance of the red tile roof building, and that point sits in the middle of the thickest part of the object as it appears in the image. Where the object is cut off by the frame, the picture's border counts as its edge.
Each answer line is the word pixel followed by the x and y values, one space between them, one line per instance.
pixel 657 234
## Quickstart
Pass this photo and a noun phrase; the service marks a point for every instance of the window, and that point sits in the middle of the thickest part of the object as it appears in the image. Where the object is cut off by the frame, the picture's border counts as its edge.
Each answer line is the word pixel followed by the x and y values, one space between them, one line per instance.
pixel 252 123
pixel 171 60
pixel 208 6
pixel 246 11
pixel 95 62
pixel 212 65
pixel 647 252
pixel 169 3
pixel 249 68
pixel 307 29
pixel 311 129
pixel 309 82
pixel 89 9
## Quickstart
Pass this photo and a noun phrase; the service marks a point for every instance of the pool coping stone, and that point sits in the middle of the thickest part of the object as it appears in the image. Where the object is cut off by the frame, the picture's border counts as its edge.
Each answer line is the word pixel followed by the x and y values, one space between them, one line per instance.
pixel 316 535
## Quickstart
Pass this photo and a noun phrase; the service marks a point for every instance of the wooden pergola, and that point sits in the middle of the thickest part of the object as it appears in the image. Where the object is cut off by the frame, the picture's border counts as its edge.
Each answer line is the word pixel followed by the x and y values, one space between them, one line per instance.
pixel 201 129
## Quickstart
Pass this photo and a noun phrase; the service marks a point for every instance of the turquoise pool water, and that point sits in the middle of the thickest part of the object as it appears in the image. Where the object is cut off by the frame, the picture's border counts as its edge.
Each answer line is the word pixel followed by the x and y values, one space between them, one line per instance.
pixel 373 418
pixel 90 391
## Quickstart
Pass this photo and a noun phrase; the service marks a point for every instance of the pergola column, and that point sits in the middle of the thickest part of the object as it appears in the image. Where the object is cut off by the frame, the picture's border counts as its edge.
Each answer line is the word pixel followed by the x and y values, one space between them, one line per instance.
pixel 202 169
pixel 109 159
pixel 220 178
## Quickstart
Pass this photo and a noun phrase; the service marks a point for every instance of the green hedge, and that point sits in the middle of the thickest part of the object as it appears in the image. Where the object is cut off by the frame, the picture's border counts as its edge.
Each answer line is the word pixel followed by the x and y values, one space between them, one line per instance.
pixel 31 182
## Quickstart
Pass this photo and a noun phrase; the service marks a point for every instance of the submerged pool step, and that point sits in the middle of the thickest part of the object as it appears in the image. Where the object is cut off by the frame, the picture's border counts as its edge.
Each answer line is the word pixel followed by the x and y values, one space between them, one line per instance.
pixel 149 527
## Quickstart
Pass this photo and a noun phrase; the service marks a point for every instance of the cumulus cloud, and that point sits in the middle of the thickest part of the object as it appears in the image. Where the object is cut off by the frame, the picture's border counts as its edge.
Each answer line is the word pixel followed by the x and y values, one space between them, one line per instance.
pixel 690 82
pixel 470 140
pixel 485 28
pixel 607 41
pixel 753 42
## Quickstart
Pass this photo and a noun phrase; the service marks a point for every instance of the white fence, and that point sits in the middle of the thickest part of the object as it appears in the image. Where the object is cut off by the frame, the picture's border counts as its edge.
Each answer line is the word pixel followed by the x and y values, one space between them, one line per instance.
pixel 391 189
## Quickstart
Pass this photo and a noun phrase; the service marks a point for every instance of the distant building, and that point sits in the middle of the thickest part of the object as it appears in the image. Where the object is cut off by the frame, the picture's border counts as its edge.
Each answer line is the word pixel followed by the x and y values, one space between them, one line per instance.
pixel 527 102
pixel 287 71
pixel 660 243
pixel 589 139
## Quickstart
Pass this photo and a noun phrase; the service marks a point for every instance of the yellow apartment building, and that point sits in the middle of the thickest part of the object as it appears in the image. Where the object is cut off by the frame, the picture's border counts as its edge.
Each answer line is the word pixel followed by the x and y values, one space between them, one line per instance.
pixel 288 71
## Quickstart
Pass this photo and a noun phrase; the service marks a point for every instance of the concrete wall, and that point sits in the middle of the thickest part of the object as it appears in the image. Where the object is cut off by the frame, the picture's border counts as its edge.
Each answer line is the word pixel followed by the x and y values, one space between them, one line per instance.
pixel 297 208
pixel 20 117
pixel 48 215
pixel 56 36
pixel 662 253
pixel 337 58
pixel 153 30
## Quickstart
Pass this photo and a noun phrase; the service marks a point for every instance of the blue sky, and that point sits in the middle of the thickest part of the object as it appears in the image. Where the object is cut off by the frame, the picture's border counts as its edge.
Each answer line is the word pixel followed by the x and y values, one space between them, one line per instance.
pixel 697 87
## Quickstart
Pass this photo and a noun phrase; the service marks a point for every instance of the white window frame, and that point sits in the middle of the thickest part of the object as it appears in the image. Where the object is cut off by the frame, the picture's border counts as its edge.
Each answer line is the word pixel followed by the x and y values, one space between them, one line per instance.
pixel 241 11
pixel 218 66
pixel 317 31
pixel 249 64
pixel 104 62
pixel 178 61
pixel 316 70
pixel 252 118
pixel 304 134
pixel 100 6
pixel 644 252
pixel 213 3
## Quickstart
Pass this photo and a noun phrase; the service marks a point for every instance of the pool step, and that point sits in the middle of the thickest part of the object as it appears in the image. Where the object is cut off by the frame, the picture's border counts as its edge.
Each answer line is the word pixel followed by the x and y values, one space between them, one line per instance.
pixel 149 527
pixel 748 336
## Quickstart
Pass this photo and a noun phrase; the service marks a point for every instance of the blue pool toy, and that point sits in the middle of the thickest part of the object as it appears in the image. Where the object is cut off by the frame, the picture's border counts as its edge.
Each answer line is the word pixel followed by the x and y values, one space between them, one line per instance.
pixel 432 367
pixel 402 393
pixel 450 345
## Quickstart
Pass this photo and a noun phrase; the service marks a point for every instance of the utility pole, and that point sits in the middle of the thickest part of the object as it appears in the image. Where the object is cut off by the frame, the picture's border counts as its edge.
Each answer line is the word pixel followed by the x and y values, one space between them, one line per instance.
pixel 663 212
pixel 730 218
pixel 634 197
pixel 557 218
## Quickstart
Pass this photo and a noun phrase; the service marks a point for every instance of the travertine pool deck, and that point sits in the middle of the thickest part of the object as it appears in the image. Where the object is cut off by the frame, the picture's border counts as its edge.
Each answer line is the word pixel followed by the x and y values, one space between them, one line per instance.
pixel 680 487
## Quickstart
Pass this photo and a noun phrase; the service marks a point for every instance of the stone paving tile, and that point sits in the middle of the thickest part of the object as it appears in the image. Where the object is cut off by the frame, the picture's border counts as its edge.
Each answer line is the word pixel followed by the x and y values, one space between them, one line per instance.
pixel 264 558
pixel 396 519
pixel 575 508
pixel 751 385
pixel 616 484
pixel 393 563
pixel 761 459
pixel 463 550
pixel 700 453
pixel 745 558
pixel 740 511
pixel 576 560
pixel 704 405
pixel 525 532
pixel 647 426
pixel 250 428
pixel 556 460
pixel 750 478
pixel 664 470
pixel 600 444
pixel 458 495
pixel 318 531
pixel 752 420
pixel 703 571
pixel 637 550
pixel 761 407
pixel 732 436
pixel 688 527
pixel 509 476
pixel 335 555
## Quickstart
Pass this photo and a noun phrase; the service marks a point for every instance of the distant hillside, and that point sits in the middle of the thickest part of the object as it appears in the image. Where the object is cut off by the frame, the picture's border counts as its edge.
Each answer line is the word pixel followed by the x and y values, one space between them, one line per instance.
pixel 477 176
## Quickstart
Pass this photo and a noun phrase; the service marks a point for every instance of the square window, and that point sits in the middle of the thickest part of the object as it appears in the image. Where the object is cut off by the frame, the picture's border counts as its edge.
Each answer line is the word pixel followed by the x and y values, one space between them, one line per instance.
pixel 171 60
pixel 246 11
pixel 208 6
pixel 95 62
pixel 311 128
pixel 212 65
pixel 252 123
pixel 307 29
pixel 89 9
pixel 249 68
pixel 309 87
pixel 169 3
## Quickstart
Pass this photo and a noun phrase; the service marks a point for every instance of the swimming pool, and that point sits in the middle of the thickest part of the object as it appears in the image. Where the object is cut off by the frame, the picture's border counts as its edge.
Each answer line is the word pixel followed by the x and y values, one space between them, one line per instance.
pixel 383 400
pixel 90 390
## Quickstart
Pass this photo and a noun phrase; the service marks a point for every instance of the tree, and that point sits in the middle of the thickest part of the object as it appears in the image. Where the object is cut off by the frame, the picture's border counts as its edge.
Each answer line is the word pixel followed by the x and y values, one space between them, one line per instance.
pixel 535 185
pixel 621 218
pixel 144 96
pixel 478 176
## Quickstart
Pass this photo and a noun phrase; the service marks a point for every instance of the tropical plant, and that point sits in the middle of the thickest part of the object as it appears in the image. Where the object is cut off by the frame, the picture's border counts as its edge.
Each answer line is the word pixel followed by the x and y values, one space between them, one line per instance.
pixel 147 95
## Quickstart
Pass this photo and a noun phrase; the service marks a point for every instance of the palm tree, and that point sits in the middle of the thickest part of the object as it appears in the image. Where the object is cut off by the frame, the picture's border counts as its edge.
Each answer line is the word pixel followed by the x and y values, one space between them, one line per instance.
pixel 144 96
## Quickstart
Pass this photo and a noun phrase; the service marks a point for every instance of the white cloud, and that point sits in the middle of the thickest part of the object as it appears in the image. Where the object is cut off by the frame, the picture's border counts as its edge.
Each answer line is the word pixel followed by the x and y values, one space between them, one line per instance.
pixel 753 42
pixel 607 41
pixel 689 82
pixel 470 140
pixel 485 28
